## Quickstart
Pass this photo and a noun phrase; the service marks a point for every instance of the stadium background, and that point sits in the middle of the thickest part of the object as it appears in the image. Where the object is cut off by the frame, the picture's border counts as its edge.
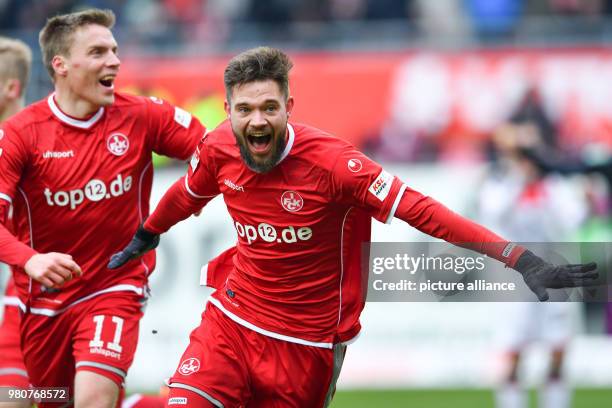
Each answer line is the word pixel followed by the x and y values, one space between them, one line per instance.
pixel 420 86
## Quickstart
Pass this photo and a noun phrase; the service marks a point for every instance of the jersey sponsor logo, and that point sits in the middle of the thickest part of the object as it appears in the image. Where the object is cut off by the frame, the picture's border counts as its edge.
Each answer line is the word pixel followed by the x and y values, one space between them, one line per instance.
pixel 354 165
pixel 233 185
pixel 189 366
pixel 269 233
pixel 508 249
pixel 195 159
pixel 95 190
pixel 117 144
pixel 292 201
pixel 182 117
pixel 381 186
pixel 156 100
pixel 194 162
pixel 58 155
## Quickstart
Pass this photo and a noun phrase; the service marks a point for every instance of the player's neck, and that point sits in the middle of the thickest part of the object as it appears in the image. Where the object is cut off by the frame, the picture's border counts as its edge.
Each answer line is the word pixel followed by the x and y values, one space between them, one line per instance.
pixel 74 106
pixel 11 108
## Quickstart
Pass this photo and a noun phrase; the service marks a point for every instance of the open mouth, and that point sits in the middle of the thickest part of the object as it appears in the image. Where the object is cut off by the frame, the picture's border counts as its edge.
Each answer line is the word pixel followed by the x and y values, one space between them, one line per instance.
pixel 107 81
pixel 259 143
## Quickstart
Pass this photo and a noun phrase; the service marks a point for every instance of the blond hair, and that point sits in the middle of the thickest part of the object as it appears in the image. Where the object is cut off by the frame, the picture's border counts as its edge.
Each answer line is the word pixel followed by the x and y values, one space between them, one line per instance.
pixel 57 35
pixel 15 61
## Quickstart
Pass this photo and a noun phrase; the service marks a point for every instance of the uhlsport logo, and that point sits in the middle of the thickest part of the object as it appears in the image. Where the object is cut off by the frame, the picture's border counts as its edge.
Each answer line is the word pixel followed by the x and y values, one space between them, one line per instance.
pixel 268 233
pixel 292 201
pixel 189 366
pixel 117 144
pixel 94 190
pixel 58 155
pixel 233 185
pixel 156 100
pixel 354 165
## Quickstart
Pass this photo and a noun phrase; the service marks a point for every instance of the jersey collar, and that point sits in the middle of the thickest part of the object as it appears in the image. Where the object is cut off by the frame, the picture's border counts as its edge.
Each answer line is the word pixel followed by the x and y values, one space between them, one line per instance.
pixel 289 144
pixel 83 124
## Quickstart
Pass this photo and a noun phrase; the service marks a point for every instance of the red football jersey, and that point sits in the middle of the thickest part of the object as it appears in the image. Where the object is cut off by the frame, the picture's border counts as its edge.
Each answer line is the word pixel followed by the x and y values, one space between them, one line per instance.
pixel 82 187
pixel 297 269
pixel 10 294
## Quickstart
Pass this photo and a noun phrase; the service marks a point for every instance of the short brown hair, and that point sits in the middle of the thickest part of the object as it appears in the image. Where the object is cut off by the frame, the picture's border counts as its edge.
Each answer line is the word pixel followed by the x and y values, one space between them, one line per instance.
pixel 15 61
pixel 56 36
pixel 258 64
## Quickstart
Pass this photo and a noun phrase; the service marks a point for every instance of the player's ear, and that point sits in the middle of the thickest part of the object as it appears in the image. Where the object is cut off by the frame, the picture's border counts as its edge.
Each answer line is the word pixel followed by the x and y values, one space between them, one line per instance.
pixel 12 88
pixel 59 65
pixel 227 107
pixel 289 105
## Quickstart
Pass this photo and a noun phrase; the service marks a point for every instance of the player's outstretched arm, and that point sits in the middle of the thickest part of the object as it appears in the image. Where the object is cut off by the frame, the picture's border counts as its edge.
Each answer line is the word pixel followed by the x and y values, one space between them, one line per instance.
pixel 176 205
pixel 540 275
pixel 52 269
pixel 429 216
pixel 142 242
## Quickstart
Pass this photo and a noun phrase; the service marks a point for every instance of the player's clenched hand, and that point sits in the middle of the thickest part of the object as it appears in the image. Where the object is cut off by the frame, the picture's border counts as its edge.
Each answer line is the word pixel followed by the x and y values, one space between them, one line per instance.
pixel 143 242
pixel 539 274
pixel 52 269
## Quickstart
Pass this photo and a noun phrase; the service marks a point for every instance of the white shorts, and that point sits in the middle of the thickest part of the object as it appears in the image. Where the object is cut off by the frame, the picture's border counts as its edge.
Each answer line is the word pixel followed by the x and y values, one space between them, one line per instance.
pixel 521 323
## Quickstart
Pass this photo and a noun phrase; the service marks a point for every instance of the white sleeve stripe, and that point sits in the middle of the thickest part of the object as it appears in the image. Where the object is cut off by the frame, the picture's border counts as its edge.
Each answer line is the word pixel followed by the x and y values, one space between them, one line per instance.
pixel 102 366
pixel 6 197
pixel 398 198
pixel 204 275
pixel 194 194
pixel 14 371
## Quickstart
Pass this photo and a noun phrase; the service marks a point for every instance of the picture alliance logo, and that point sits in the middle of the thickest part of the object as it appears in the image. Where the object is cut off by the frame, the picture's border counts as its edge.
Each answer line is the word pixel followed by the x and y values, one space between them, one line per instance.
pixel 268 233
pixel 95 190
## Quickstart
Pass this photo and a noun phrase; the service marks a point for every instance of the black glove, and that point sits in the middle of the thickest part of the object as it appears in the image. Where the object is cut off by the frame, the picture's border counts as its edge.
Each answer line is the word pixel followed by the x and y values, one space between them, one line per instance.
pixel 539 274
pixel 143 242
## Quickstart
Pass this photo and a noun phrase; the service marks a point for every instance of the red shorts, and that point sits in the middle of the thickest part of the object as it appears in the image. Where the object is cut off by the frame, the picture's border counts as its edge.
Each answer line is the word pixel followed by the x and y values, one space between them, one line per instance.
pixel 12 370
pixel 229 365
pixel 98 335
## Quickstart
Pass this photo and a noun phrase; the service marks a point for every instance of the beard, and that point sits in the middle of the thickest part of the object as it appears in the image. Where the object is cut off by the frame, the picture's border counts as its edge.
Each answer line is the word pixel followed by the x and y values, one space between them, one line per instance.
pixel 266 165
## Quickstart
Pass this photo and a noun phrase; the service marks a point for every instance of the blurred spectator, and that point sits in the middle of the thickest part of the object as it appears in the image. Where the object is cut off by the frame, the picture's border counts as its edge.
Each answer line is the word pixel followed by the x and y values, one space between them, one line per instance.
pixel 534 208
pixel 494 19
pixel 531 112
pixel 270 12
pixel 575 7
pixel 441 17
pixel 388 9
pixel 347 9
pixel 148 23
pixel 184 12
pixel 314 10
